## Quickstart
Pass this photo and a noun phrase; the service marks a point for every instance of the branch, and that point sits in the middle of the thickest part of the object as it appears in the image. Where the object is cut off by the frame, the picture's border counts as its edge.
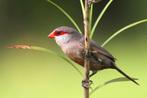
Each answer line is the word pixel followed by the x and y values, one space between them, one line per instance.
pixel 86 62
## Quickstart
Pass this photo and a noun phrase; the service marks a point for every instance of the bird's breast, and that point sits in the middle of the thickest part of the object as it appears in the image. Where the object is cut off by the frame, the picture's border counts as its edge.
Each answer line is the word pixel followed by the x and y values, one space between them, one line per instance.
pixel 74 52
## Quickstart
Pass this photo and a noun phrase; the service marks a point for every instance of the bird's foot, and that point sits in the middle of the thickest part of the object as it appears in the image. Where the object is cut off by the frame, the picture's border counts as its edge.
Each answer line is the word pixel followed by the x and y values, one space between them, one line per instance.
pixel 86 84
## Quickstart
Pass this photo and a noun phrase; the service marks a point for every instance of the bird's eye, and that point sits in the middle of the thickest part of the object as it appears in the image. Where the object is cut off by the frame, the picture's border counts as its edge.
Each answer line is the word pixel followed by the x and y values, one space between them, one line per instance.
pixel 58 33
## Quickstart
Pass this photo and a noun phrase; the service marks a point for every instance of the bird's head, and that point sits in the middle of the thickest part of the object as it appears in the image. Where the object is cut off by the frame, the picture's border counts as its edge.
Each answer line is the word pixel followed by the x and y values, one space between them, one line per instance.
pixel 64 34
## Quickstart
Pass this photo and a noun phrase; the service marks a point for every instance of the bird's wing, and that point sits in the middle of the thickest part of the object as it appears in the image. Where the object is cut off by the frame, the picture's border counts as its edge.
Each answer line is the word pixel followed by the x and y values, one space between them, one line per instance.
pixel 97 49
pixel 101 50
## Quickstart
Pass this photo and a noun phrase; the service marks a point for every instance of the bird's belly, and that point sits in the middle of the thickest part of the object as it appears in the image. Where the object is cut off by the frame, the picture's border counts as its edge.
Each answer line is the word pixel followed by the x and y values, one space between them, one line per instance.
pixel 76 57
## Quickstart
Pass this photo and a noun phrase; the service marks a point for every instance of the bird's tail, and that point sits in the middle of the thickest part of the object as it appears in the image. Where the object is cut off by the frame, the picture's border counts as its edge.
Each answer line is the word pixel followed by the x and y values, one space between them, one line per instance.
pixel 127 76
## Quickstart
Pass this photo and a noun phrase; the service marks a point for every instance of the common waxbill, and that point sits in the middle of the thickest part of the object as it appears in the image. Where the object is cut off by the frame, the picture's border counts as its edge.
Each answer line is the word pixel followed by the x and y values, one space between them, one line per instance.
pixel 72 44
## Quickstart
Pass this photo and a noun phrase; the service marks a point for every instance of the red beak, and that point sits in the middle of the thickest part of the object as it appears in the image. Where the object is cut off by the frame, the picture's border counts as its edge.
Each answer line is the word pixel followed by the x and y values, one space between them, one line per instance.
pixel 51 35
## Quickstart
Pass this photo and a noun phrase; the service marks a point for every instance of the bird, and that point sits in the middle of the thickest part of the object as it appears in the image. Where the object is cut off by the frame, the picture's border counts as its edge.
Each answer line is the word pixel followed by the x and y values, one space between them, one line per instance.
pixel 72 44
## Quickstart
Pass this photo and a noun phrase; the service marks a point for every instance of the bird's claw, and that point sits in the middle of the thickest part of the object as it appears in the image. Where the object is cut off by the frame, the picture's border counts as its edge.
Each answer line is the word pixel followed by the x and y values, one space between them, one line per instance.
pixel 86 84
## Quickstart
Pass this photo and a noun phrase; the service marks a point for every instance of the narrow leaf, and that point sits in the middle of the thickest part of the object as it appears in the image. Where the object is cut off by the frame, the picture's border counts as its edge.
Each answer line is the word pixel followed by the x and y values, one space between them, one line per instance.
pixel 66 14
pixel 123 29
pixel 23 46
pixel 90 16
pixel 99 18
pixel 115 80
pixel 82 6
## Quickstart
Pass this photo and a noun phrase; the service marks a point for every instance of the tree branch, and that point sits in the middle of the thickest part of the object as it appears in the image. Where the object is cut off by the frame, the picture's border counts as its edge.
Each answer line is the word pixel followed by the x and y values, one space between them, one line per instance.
pixel 86 62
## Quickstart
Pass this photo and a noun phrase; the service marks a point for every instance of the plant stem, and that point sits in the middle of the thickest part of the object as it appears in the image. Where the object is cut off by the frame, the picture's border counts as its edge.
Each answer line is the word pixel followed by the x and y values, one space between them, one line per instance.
pixel 99 17
pixel 86 62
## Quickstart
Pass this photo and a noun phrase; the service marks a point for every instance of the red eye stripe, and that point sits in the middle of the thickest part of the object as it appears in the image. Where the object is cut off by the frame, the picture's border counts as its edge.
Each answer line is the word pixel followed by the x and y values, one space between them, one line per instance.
pixel 58 33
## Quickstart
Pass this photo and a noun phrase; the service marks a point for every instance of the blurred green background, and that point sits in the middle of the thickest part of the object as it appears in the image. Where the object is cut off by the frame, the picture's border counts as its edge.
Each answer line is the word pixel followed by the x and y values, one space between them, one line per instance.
pixel 33 74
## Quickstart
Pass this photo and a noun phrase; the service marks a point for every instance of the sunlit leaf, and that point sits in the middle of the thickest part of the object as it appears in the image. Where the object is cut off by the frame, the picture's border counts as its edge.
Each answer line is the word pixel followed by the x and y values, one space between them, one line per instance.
pixel 90 16
pixel 99 18
pixel 120 79
pixel 66 14
pixel 82 6
pixel 123 29
pixel 30 47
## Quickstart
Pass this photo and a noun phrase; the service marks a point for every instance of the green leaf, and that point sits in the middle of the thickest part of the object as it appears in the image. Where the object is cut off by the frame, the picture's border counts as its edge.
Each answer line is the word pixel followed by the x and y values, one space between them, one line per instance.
pixel 90 16
pixel 24 46
pixel 115 80
pixel 66 14
pixel 82 6
pixel 99 18
pixel 123 29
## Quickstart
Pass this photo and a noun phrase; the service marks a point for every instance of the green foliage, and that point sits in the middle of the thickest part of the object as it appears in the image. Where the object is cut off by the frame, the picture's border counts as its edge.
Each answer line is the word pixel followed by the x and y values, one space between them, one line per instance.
pixel 82 6
pixel 123 29
pixel 37 48
pixel 99 18
pixel 90 16
pixel 66 14
pixel 120 79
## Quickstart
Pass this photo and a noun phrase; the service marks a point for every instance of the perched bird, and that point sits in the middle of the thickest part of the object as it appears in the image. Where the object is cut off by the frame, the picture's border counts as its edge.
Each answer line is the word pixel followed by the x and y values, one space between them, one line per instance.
pixel 72 44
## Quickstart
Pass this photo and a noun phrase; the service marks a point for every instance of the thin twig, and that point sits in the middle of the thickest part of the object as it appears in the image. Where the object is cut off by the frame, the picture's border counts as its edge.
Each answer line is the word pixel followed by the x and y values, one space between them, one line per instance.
pixel 86 62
